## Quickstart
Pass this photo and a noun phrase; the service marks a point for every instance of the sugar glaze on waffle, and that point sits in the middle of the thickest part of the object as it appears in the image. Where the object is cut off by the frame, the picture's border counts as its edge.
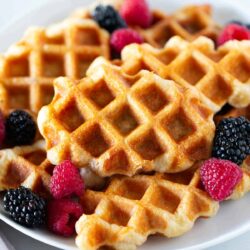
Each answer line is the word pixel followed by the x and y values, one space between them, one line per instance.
pixel 220 75
pixel 121 124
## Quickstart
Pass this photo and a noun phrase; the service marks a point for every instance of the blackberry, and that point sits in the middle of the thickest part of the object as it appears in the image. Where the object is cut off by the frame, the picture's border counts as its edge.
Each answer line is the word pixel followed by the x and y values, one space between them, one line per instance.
pixel 247 25
pixel 237 22
pixel 25 207
pixel 20 128
pixel 108 18
pixel 232 139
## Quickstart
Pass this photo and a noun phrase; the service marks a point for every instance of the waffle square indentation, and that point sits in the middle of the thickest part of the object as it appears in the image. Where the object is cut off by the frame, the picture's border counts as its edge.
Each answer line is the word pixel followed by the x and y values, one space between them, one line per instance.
pixel 191 71
pixel 178 125
pixel 18 97
pixel 71 117
pixel 123 120
pixel 166 32
pixel 239 67
pixel 118 214
pixel 87 36
pixel 165 199
pixel 218 90
pixel 94 141
pixel 18 67
pixel 132 189
pixel 153 98
pixel 147 146
pixel 193 24
pixel 53 65
pixel 100 94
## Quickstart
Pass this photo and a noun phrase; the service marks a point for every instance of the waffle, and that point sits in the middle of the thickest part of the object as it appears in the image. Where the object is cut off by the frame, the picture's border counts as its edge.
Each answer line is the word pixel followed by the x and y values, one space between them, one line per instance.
pixel 28 68
pixel 244 186
pixel 119 124
pixel 220 75
pixel 132 208
pixel 26 166
pixel 189 23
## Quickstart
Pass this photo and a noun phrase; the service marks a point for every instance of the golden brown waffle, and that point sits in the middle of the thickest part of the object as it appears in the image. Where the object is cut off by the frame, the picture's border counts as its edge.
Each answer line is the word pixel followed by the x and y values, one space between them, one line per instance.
pixel 189 23
pixel 220 75
pixel 26 166
pixel 132 208
pixel 28 68
pixel 244 186
pixel 119 124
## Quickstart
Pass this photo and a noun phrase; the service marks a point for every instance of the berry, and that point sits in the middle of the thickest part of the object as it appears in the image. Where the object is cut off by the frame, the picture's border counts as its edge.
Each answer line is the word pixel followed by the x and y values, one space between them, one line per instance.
pixel 2 129
pixel 236 22
pixel 240 23
pixel 62 216
pixel 220 177
pixel 122 37
pixel 66 181
pixel 136 12
pixel 20 128
pixel 25 207
pixel 108 18
pixel 233 32
pixel 232 139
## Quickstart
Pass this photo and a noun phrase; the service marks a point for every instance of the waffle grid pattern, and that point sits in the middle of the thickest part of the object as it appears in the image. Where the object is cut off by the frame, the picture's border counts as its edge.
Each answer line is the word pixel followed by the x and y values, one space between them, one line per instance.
pixel 114 123
pixel 26 166
pixel 29 67
pixel 220 75
pixel 131 209
pixel 189 23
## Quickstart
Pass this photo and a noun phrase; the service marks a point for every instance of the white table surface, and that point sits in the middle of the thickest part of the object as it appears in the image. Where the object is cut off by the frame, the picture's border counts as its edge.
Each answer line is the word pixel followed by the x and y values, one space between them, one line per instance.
pixel 12 9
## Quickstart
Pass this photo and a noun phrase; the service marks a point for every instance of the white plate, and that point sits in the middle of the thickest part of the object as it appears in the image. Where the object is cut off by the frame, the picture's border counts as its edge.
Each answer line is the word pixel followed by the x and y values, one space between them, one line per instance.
pixel 233 218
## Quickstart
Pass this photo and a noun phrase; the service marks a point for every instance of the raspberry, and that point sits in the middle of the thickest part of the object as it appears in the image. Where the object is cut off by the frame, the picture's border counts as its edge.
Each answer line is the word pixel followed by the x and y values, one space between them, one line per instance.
pixel 66 181
pixel 62 216
pixel 232 139
pixel 108 18
pixel 122 37
pixel 25 207
pixel 233 32
pixel 219 177
pixel 20 128
pixel 2 129
pixel 136 12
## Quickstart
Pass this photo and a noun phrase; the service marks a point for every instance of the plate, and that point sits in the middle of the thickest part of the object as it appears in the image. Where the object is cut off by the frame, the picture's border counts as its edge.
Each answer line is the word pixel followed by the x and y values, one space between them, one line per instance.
pixel 206 232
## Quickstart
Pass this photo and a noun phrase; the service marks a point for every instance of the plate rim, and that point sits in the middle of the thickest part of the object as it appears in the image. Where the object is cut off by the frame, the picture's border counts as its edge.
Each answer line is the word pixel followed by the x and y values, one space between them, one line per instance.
pixel 42 238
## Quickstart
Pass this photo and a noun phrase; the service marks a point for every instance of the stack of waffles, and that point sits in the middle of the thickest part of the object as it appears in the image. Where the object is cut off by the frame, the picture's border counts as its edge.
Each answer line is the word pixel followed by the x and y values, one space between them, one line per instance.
pixel 143 124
